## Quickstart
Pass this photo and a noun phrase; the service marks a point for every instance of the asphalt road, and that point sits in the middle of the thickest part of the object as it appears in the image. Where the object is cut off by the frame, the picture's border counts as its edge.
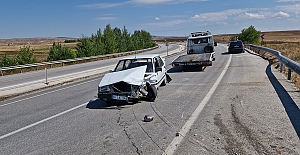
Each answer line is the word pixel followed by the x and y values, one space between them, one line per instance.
pixel 240 105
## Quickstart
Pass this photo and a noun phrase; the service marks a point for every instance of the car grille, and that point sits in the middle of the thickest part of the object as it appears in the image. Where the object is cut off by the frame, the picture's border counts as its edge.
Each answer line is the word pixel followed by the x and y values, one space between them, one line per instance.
pixel 121 87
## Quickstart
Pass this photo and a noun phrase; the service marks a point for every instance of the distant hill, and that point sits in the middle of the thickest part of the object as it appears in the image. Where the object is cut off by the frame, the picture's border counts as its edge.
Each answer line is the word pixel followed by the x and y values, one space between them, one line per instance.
pixel 24 41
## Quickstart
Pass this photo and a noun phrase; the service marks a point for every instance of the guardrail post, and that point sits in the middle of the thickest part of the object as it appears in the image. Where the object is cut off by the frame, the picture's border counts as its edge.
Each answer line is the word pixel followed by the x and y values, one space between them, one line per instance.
pixel 1 72
pixel 281 67
pixel 289 74
pixel 46 76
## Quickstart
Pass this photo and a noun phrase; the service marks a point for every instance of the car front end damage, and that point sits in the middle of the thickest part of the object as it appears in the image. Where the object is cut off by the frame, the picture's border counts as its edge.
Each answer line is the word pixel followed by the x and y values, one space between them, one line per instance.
pixel 123 92
pixel 126 86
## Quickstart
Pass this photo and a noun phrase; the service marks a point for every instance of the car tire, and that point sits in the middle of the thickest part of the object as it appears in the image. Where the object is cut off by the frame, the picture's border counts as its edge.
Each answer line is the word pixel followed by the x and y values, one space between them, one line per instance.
pixel 164 82
pixel 151 96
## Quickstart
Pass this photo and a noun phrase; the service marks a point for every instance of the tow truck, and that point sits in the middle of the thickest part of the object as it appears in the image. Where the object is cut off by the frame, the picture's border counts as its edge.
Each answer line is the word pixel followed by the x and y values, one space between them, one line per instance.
pixel 200 50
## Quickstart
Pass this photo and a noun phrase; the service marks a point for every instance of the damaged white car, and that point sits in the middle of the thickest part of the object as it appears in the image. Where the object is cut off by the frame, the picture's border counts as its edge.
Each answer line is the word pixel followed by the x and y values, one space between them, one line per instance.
pixel 134 78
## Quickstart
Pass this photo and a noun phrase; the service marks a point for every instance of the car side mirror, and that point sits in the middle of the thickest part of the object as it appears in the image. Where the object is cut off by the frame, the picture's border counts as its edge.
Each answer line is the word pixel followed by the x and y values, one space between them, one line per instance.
pixel 158 69
pixel 111 71
pixel 215 44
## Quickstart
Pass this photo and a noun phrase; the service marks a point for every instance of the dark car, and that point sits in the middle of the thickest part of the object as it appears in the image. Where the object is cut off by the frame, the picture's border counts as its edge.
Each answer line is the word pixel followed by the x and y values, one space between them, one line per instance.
pixel 236 47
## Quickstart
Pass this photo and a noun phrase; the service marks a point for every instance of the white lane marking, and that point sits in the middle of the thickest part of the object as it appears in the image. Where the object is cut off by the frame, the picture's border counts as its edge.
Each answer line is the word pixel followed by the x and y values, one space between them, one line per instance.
pixel 41 121
pixel 57 77
pixel 186 127
pixel 47 93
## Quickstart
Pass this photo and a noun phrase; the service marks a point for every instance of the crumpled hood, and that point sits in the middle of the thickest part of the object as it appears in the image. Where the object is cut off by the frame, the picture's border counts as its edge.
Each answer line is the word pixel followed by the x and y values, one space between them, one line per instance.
pixel 134 76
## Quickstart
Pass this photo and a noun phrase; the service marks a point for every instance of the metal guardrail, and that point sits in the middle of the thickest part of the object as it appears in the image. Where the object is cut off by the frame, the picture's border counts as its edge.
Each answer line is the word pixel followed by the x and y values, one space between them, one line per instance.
pixel 290 64
pixel 72 60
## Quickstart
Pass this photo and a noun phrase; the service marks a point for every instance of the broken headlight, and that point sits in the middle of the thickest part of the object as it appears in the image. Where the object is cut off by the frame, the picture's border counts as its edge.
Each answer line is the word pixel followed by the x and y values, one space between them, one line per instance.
pixel 104 89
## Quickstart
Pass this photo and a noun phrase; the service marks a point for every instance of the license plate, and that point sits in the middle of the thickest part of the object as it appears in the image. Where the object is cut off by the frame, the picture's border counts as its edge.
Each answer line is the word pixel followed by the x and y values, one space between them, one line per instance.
pixel 117 97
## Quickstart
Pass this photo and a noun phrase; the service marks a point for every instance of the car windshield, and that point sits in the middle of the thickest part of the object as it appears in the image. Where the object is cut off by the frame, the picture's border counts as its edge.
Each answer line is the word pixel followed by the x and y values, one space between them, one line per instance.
pixel 132 63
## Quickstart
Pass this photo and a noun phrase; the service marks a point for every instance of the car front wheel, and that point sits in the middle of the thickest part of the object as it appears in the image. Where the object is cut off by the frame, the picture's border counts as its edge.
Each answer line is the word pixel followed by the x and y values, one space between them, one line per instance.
pixel 164 82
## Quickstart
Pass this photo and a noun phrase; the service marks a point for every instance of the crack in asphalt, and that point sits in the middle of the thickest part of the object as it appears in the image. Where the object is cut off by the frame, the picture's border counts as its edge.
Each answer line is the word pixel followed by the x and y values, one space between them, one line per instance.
pixel 173 128
pixel 128 136
pixel 146 132
pixel 132 143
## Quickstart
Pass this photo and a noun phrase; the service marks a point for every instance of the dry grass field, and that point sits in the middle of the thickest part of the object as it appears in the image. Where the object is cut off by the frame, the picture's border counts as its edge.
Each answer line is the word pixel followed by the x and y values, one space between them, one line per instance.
pixel 287 42
pixel 41 46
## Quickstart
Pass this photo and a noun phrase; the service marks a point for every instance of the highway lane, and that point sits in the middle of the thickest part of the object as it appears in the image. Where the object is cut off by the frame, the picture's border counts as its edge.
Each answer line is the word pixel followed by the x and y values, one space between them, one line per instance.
pixel 235 110
pixel 17 80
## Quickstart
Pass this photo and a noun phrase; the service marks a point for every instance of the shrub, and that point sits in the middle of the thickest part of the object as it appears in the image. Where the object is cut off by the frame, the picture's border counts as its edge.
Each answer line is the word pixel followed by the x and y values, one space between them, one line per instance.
pixel 26 56
pixel 59 52
pixel 7 61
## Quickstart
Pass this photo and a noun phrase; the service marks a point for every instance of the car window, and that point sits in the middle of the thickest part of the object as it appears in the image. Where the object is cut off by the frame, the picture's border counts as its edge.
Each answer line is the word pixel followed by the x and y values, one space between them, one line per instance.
pixel 132 63
pixel 120 66
pixel 160 62
pixel 236 43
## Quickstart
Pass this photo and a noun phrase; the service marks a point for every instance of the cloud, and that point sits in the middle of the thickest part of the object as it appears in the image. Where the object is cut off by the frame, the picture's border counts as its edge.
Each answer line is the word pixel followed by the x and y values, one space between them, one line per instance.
pixel 106 17
pixel 281 14
pixel 253 15
pixel 222 23
pixel 290 8
pixel 288 1
pixel 156 18
pixel 150 1
pixel 138 2
pixel 165 1
pixel 165 24
pixel 101 5
pixel 218 16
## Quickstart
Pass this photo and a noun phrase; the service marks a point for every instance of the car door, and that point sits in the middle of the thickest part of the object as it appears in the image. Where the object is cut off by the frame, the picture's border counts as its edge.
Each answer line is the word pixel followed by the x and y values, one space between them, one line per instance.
pixel 159 63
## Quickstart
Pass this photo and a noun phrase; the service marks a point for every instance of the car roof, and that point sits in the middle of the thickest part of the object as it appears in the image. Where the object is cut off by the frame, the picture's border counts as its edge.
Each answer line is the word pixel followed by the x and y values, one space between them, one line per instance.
pixel 140 56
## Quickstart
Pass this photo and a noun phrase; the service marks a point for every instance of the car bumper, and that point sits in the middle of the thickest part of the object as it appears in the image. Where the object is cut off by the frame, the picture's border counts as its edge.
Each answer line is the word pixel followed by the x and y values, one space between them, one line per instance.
pixel 115 97
pixel 235 50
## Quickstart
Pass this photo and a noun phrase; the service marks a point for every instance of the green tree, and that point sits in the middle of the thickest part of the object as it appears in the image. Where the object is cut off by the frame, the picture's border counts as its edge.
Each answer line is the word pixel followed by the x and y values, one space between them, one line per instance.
pixel 26 56
pixel 109 39
pixel 147 41
pixel 135 40
pixel 125 40
pixel 118 40
pixel 59 52
pixel 7 61
pixel 85 47
pixel 98 43
pixel 250 35
pixel 112 41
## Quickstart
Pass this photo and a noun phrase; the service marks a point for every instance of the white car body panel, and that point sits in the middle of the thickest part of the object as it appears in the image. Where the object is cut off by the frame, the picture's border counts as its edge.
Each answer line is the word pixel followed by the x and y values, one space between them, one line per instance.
pixel 134 76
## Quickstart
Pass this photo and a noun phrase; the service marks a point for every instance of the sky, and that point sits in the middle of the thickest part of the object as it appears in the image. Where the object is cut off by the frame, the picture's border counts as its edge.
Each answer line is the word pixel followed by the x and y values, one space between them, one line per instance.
pixel 77 18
